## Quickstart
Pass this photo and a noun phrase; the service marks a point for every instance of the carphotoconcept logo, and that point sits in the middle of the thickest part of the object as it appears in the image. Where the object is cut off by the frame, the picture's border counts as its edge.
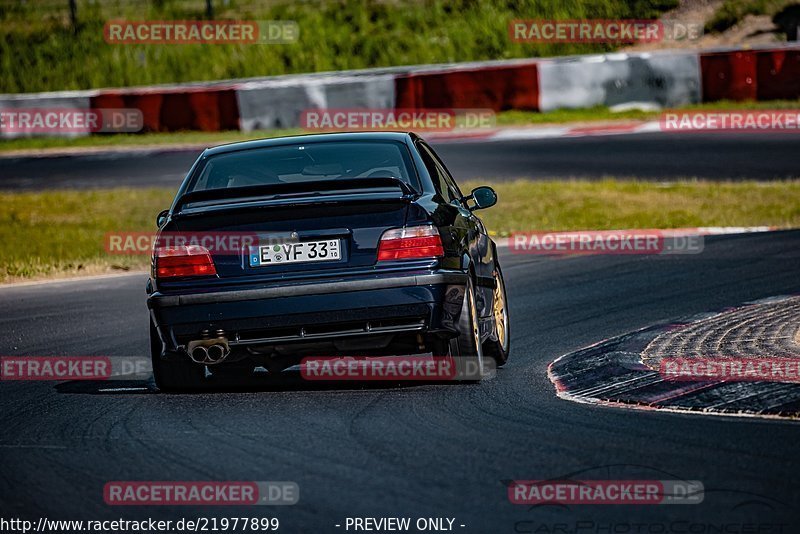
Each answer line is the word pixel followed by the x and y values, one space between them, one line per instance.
pixel 622 485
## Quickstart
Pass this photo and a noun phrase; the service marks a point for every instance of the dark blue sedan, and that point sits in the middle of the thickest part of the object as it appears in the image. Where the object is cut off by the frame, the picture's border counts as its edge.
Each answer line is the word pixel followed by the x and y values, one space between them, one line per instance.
pixel 347 244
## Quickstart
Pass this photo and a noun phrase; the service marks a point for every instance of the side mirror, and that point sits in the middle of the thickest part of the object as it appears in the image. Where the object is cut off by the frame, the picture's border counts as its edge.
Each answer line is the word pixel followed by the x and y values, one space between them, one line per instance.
pixel 161 218
pixel 484 197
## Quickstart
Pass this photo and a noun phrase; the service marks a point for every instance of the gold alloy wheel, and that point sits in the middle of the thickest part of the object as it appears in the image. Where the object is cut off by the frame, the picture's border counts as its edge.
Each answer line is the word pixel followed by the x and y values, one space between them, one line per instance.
pixel 500 312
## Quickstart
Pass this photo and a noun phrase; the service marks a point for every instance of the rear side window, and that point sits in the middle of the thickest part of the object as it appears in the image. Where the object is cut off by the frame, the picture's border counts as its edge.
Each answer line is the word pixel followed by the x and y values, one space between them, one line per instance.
pixel 448 178
pixel 306 162
pixel 442 181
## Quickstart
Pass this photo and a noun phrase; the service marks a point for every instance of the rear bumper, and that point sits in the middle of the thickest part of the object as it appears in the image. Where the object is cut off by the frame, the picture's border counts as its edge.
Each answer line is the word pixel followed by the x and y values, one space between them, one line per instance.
pixel 296 312
pixel 305 289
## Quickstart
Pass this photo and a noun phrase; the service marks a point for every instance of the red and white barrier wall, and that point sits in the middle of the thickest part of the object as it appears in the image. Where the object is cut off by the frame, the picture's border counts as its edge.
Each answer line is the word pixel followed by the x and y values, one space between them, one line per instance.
pixel 68 100
pixel 270 104
pixel 172 109
pixel 663 79
pixel 751 74
pixel 498 86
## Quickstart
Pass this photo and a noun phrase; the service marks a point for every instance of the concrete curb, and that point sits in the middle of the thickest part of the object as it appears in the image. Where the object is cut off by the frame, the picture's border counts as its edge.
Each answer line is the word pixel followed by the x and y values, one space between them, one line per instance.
pixel 613 372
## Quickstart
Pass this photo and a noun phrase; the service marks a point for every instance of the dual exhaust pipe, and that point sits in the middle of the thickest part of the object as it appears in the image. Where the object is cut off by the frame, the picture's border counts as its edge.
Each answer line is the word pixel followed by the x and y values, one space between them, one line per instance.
pixel 208 351
pixel 210 355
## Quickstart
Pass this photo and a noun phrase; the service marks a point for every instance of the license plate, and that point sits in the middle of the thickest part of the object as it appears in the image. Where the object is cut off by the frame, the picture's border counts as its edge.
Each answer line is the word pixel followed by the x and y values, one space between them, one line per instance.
pixel 306 252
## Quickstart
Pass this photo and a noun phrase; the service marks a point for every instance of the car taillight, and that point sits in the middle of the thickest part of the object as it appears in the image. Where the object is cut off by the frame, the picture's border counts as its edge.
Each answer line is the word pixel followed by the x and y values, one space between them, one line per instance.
pixel 411 242
pixel 188 260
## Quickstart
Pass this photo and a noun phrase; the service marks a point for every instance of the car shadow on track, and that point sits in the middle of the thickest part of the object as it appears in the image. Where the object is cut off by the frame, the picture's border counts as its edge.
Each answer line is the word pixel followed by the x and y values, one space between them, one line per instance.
pixel 258 382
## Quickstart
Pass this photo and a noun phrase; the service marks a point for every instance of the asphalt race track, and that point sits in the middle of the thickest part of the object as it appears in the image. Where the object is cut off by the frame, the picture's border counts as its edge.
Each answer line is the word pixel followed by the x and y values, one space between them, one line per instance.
pixel 415 451
pixel 646 156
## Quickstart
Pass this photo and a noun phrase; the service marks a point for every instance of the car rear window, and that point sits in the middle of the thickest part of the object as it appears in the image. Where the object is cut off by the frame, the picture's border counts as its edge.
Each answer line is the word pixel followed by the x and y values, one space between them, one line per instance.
pixel 306 162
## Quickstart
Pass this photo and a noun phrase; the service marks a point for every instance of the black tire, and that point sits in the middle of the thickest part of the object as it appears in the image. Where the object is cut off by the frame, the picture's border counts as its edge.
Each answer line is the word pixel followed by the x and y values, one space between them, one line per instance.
pixel 466 348
pixel 498 345
pixel 174 375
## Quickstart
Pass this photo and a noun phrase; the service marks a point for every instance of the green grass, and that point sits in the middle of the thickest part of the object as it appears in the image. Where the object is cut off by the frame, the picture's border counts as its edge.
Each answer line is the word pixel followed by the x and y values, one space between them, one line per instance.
pixel 41 51
pixel 58 233
pixel 526 206
pixel 62 233
pixel 505 118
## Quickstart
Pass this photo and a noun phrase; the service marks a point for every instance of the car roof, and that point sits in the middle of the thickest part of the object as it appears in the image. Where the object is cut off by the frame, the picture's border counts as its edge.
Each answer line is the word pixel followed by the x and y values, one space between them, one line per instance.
pixel 402 137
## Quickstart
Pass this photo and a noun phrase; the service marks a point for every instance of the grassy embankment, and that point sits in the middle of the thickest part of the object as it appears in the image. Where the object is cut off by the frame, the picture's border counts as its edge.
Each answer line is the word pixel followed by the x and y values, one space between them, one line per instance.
pixel 40 50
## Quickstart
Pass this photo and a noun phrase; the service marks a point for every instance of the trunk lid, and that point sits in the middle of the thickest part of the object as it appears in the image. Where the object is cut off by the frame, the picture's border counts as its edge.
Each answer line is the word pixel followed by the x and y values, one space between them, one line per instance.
pixel 355 216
